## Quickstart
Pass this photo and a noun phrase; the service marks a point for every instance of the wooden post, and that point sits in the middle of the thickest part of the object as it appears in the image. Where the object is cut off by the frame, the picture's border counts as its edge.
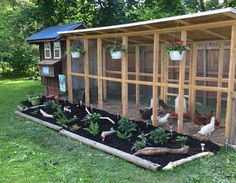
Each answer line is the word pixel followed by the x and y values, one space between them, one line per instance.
pixel 69 77
pixel 155 78
pixel 137 70
pixel 124 77
pixel 162 70
pixel 232 135
pixel 99 66
pixel 166 75
pixel 219 82
pixel 192 97
pixel 181 86
pixel 86 72
pixel 104 73
pixel 228 121
pixel 204 73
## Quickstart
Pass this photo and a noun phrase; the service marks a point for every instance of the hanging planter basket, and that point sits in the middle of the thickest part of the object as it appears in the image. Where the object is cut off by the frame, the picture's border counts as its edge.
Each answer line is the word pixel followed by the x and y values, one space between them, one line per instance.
pixel 176 55
pixel 115 55
pixel 75 54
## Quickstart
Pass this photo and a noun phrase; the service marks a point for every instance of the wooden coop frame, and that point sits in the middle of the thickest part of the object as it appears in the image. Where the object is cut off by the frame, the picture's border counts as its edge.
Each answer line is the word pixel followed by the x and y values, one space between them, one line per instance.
pixel 217 26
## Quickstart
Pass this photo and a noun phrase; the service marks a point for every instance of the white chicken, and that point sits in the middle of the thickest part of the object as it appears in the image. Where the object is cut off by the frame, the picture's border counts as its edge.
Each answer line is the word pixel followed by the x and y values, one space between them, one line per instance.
pixel 209 128
pixel 162 120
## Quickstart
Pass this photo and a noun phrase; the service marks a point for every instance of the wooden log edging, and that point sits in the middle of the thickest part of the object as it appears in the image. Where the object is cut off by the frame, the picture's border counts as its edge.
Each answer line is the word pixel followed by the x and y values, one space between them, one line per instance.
pixel 110 150
pixel 39 121
pixel 173 164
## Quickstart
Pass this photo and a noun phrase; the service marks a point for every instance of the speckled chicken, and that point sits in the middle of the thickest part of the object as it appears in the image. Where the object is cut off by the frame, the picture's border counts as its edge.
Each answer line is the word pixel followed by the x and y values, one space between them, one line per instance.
pixel 204 119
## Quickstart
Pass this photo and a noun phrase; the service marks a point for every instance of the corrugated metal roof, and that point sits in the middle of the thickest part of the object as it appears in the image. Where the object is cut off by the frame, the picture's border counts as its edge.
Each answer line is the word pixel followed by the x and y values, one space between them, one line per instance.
pixel 52 32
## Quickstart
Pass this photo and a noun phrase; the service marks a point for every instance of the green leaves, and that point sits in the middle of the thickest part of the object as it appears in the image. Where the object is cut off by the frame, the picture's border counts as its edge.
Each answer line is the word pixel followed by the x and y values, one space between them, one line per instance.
pixel 125 128
pixel 159 136
pixel 93 121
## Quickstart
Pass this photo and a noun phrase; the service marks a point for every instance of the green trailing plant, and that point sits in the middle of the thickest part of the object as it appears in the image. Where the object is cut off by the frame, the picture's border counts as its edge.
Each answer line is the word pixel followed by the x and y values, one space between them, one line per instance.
pixel 175 45
pixel 182 140
pixel 93 121
pixel 77 49
pixel 34 96
pixel 141 143
pixel 125 128
pixel 116 47
pixel 159 136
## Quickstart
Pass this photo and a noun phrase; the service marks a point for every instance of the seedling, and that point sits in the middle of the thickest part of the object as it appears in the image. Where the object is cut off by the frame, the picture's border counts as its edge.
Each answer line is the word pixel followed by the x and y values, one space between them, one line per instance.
pixel 140 144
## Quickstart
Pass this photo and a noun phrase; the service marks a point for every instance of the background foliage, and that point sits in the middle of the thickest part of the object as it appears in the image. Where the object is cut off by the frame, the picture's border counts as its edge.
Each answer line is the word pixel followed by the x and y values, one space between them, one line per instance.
pixel 21 18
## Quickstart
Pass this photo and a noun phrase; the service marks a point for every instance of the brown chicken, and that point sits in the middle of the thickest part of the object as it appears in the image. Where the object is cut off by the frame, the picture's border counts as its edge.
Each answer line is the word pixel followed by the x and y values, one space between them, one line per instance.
pixel 203 119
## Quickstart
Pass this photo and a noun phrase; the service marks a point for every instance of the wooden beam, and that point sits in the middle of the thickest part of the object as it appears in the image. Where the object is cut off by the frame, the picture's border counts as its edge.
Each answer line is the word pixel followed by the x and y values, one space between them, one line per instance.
pixel 181 86
pixel 68 71
pixel 192 97
pixel 124 71
pixel 204 60
pixel 155 78
pixel 104 73
pixel 162 70
pixel 166 76
pixel 228 121
pixel 137 70
pixel 164 30
pixel 204 30
pixel 86 72
pixel 219 80
pixel 100 71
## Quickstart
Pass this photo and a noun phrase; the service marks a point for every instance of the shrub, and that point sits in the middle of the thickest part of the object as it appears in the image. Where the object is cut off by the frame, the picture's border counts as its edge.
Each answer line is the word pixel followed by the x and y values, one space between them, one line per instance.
pixel 159 136
pixel 125 128
pixel 93 121
pixel 140 144
pixel 182 139
pixel 61 117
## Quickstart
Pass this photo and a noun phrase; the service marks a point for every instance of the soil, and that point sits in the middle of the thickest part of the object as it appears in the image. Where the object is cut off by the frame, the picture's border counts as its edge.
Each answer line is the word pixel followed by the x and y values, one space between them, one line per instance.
pixel 124 145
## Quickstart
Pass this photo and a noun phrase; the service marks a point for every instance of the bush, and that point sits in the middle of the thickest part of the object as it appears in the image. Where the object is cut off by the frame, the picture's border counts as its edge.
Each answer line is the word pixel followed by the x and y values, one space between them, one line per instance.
pixel 93 121
pixel 125 128
pixel 159 136
pixel 140 144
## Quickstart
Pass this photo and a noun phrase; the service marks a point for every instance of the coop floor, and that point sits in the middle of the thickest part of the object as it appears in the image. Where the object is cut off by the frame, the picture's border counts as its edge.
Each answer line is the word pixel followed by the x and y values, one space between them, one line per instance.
pixel 115 107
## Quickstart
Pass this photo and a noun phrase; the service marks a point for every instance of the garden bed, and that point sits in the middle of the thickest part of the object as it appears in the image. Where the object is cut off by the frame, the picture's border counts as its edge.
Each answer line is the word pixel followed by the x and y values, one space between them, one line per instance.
pixel 115 145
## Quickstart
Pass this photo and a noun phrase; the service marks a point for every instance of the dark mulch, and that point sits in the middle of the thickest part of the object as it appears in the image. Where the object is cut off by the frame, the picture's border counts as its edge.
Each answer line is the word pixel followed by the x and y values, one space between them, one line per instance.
pixel 114 141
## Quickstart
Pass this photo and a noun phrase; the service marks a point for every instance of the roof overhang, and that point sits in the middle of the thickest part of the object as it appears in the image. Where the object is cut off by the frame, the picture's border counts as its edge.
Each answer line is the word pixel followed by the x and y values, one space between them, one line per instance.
pixel 48 62
pixel 217 22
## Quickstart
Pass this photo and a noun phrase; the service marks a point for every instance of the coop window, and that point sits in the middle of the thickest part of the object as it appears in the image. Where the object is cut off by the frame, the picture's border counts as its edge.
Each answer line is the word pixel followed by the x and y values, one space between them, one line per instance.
pixel 57 50
pixel 47 50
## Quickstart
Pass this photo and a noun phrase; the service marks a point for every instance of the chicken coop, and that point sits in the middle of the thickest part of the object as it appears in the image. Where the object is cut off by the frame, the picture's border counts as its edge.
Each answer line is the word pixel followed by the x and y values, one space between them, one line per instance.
pixel 206 74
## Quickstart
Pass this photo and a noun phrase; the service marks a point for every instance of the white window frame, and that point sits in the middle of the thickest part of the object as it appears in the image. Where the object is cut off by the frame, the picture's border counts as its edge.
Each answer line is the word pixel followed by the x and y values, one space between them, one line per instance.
pixel 46 48
pixel 57 49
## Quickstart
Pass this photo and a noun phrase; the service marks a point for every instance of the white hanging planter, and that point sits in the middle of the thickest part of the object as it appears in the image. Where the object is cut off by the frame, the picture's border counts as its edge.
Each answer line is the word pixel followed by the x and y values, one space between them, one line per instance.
pixel 176 55
pixel 116 55
pixel 75 54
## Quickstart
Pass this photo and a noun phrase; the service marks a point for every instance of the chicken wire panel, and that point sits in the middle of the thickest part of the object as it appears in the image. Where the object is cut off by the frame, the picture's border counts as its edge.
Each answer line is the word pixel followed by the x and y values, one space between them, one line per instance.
pixel 145 95
pixel 77 64
pixel 78 89
pixel 93 91
pixel 112 102
pixel 92 56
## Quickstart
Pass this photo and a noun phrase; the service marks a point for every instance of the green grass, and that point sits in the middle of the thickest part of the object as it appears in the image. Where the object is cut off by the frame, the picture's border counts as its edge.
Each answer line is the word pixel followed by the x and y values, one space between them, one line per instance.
pixel 32 153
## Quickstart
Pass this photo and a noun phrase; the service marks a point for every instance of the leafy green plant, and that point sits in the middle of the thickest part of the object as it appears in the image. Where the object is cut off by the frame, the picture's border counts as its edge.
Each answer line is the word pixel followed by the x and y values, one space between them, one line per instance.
pixel 182 139
pixel 93 121
pixel 141 143
pixel 176 45
pixel 116 47
pixel 52 104
pixel 34 96
pixel 159 136
pixel 77 49
pixel 61 117
pixel 125 128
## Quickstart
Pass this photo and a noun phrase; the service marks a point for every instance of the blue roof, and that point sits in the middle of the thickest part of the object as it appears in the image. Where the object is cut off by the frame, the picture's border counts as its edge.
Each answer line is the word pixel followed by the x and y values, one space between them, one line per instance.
pixel 52 32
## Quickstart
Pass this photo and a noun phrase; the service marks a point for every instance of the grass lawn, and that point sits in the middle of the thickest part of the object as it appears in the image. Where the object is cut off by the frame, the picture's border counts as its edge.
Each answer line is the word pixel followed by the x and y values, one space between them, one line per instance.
pixel 32 153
